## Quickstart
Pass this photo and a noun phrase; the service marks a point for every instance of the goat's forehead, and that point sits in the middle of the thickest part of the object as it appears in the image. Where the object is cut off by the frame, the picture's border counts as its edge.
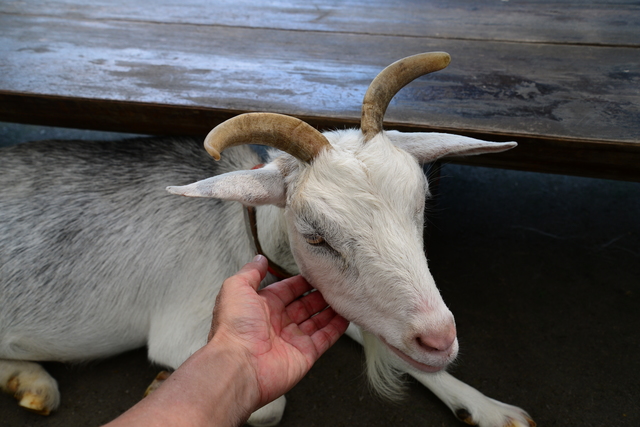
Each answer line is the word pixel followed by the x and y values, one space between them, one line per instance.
pixel 377 167
pixel 375 177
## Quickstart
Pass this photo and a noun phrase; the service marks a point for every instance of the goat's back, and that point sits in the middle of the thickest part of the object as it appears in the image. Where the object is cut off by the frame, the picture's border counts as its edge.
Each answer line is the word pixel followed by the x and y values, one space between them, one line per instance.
pixel 92 247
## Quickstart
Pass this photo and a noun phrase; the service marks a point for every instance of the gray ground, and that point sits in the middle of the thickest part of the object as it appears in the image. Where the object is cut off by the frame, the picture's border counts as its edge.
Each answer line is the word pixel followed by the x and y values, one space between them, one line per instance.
pixel 542 273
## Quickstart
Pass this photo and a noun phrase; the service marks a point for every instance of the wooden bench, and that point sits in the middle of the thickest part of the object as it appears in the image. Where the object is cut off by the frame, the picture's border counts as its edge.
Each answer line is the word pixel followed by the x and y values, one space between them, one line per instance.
pixel 561 78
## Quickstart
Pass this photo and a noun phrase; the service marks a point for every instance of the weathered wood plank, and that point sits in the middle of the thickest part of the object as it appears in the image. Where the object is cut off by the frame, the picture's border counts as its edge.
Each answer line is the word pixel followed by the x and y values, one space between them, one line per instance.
pixel 540 154
pixel 564 91
pixel 597 22
pixel 573 103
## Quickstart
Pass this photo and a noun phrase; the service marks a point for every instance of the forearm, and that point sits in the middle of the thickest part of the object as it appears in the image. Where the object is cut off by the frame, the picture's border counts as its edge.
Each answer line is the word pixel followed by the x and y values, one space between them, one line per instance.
pixel 212 388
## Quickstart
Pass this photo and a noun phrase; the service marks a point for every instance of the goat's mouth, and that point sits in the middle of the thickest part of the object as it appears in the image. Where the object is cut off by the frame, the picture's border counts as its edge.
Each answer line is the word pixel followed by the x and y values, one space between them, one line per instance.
pixel 414 363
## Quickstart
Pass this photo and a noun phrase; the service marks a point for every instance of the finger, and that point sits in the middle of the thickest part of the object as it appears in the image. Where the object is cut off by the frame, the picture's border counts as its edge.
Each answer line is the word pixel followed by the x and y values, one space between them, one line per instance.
pixel 252 272
pixel 305 307
pixel 328 335
pixel 319 339
pixel 289 289
pixel 317 322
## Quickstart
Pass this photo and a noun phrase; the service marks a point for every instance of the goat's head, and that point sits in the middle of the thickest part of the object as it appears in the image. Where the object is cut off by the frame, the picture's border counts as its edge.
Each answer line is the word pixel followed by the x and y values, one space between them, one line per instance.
pixel 354 205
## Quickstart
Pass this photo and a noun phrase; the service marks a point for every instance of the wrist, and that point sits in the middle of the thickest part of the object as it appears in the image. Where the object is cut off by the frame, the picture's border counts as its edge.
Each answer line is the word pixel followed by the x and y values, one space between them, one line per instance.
pixel 228 388
pixel 216 386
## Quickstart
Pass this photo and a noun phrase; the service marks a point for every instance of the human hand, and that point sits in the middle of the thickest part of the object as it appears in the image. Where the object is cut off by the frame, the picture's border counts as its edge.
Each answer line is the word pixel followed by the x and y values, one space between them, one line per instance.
pixel 261 344
pixel 280 335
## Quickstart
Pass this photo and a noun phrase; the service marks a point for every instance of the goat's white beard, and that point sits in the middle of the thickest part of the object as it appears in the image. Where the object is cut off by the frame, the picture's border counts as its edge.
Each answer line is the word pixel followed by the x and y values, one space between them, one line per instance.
pixel 385 378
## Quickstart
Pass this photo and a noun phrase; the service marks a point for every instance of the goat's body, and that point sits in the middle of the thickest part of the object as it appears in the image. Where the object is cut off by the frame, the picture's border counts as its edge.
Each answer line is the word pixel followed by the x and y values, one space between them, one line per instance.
pixel 96 258
pixel 99 274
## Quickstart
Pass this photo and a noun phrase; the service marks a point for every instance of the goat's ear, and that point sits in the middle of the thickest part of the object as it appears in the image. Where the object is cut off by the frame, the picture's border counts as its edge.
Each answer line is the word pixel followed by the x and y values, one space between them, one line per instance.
pixel 427 147
pixel 251 188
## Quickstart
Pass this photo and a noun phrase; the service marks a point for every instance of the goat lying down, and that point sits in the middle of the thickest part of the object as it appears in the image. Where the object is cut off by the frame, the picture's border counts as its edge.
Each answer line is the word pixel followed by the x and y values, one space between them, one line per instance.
pixel 97 258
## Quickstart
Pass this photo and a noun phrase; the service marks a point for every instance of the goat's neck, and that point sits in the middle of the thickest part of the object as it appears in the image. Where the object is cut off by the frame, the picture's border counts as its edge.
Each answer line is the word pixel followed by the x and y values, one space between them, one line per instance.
pixel 273 236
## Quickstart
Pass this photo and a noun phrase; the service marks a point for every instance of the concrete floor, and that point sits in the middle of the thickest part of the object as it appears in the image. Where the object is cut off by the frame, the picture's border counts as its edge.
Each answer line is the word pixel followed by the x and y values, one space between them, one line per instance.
pixel 542 273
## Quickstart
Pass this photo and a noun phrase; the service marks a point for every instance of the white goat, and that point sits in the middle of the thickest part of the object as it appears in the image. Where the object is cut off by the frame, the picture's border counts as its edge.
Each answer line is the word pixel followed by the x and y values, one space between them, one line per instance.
pixel 94 261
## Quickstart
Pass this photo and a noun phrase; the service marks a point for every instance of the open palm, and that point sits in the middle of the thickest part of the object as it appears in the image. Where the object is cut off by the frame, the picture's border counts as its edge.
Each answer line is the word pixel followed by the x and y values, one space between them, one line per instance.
pixel 281 333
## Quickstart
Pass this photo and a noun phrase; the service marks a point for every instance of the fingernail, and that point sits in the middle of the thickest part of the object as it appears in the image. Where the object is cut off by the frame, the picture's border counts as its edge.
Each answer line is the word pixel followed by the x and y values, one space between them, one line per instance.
pixel 258 258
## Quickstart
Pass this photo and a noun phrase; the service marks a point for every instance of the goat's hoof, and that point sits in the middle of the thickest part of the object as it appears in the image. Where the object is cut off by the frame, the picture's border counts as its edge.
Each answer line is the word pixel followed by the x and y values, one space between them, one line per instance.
pixel 514 423
pixel 157 382
pixel 464 416
pixel 495 414
pixel 38 401
pixel 31 385
pixel 28 400
pixel 34 403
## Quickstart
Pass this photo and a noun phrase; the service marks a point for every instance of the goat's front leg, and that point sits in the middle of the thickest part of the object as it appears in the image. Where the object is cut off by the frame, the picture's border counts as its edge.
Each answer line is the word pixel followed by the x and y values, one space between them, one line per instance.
pixel 469 405
pixel 269 415
pixel 28 382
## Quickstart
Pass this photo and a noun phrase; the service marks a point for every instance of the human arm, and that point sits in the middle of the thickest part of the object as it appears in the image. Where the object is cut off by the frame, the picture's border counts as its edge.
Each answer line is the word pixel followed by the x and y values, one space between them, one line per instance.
pixel 260 345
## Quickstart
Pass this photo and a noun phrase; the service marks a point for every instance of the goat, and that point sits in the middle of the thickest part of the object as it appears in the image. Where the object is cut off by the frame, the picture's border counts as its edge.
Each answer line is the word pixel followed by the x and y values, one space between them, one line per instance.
pixel 96 260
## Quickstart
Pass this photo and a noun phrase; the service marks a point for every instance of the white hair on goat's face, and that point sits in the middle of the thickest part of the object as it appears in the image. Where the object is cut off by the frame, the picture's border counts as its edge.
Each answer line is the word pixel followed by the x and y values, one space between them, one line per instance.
pixel 355 218
pixel 354 209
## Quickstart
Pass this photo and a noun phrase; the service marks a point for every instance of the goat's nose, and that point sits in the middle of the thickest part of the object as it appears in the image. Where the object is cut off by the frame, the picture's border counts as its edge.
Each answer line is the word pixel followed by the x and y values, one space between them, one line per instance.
pixel 440 341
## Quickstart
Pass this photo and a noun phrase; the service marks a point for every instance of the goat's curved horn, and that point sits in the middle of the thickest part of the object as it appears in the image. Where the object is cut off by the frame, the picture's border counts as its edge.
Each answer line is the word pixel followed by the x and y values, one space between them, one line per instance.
pixel 390 81
pixel 285 133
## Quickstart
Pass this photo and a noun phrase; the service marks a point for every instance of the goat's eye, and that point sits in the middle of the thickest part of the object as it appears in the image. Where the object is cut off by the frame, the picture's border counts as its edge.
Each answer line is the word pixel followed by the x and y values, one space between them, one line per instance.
pixel 315 240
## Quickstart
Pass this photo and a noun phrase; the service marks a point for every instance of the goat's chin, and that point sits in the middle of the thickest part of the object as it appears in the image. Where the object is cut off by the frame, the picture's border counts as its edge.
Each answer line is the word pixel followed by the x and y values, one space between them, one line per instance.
pixel 412 362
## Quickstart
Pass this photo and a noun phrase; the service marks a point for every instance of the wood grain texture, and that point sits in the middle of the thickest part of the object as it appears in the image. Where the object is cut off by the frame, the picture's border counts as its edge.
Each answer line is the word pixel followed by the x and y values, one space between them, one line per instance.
pixel 567 94
pixel 599 22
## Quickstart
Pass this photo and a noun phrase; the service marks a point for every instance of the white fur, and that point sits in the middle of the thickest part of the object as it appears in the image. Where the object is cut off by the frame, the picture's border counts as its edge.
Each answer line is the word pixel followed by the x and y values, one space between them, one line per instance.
pixel 365 200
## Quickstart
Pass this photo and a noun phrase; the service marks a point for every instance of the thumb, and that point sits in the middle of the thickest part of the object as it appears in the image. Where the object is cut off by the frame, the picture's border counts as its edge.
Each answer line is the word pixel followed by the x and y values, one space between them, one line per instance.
pixel 251 273
pixel 254 271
